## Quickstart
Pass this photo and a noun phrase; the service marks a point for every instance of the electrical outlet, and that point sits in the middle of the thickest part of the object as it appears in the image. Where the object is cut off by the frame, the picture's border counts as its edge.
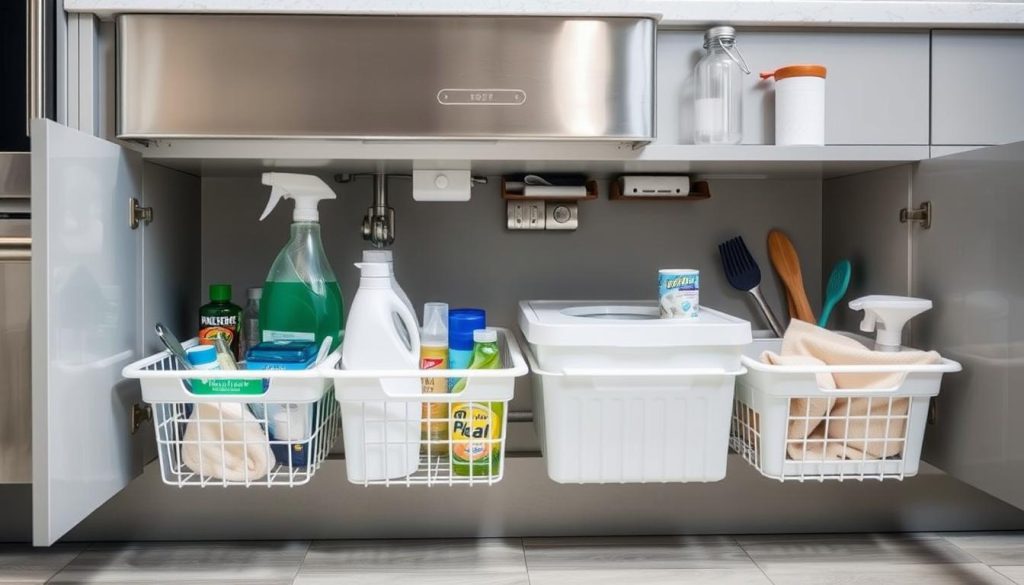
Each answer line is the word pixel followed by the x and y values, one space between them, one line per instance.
pixel 525 215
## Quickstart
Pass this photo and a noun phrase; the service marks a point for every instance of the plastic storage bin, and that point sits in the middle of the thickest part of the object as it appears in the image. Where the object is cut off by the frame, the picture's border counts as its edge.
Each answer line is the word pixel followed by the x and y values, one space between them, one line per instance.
pixel 621 396
pixel 208 422
pixel 383 413
pixel 771 400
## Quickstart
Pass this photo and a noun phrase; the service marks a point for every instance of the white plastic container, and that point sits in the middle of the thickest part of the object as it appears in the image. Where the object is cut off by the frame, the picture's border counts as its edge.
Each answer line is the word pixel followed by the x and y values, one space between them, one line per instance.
pixel 621 396
pixel 568 335
pixel 895 419
pixel 799 104
pixel 381 419
pixel 373 341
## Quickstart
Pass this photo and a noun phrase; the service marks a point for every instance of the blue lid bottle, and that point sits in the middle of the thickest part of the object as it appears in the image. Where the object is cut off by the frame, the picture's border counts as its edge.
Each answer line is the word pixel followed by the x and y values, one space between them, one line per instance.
pixel 461 325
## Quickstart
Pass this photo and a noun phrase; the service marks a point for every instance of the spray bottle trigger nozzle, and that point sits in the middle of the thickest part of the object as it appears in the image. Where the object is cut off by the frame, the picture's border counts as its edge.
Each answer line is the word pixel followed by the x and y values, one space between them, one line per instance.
pixel 275 197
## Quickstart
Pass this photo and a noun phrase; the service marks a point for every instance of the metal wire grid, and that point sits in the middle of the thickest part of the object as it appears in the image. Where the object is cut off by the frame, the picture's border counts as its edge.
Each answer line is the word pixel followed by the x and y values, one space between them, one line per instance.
pixel 870 446
pixel 423 436
pixel 230 442
pixel 226 446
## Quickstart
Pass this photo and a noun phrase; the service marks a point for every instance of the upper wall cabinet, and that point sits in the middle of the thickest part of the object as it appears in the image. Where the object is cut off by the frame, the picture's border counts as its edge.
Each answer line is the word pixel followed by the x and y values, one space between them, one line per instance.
pixel 876 91
pixel 977 89
pixel 352 77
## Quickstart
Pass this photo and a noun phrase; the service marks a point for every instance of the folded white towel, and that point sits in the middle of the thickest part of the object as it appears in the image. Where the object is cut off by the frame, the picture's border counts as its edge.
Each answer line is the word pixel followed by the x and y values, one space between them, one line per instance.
pixel 224 440
pixel 848 437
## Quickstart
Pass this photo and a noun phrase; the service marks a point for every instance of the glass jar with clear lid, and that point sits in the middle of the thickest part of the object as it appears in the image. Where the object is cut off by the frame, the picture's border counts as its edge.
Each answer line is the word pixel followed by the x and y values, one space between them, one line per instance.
pixel 718 89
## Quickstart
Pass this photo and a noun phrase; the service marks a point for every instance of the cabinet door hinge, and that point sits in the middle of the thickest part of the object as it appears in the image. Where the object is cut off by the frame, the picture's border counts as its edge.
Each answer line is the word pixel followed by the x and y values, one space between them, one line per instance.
pixel 140 414
pixel 922 215
pixel 138 214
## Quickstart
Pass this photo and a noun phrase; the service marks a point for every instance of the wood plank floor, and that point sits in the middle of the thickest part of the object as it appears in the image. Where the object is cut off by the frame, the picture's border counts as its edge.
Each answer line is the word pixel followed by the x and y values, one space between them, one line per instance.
pixel 871 559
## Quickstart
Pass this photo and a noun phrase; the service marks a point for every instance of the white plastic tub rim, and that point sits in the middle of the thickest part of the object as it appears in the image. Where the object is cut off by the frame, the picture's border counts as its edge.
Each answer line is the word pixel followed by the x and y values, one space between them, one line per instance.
pixel 801 381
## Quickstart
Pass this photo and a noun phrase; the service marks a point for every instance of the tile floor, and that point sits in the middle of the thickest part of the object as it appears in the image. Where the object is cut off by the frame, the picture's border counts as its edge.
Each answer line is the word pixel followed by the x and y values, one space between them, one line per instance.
pixel 875 559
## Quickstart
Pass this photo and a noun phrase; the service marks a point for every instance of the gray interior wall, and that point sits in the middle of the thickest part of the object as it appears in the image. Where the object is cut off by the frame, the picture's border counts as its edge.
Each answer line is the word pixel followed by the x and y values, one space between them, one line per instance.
pixel 860 223
pixel 461 253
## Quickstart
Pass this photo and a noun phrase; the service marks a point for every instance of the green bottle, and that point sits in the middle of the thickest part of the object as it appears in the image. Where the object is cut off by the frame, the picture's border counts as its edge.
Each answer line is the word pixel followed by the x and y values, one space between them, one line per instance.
pixel 301 297
pixel 476 428
pixel 220 318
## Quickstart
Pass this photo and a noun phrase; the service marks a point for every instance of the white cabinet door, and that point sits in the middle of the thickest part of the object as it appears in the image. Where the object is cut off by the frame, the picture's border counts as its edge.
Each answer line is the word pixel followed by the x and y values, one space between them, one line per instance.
pixel 85 324
pixel 969 264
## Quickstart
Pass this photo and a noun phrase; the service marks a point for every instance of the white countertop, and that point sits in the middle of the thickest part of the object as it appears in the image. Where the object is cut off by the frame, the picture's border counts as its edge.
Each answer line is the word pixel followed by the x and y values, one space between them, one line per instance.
pixel 905 13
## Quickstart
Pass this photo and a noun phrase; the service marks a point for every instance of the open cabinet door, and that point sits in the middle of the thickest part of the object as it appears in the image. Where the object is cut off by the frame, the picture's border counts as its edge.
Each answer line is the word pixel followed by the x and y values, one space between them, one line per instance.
pixel 85 324
pixel 970 262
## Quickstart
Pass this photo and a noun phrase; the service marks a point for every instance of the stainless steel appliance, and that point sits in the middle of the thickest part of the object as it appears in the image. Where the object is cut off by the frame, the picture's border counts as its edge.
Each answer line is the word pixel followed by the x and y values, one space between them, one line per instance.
pixel 426 77
pixel 15 292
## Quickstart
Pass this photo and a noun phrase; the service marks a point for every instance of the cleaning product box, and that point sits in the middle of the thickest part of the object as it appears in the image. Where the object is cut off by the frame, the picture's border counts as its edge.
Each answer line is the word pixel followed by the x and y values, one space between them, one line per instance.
pixel 289 425
pixel 281 355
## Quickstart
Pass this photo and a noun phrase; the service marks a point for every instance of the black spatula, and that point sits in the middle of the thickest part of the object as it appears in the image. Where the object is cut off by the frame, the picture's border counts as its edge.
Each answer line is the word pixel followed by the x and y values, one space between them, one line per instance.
pixel 743 274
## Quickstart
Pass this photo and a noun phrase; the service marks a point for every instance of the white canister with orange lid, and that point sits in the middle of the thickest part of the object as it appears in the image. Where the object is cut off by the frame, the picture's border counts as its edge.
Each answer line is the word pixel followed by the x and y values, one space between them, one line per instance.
pixel 799 104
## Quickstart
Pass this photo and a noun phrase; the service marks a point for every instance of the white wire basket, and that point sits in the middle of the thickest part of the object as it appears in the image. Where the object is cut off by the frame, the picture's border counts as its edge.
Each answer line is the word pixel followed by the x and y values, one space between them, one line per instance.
pixel 790 428
pixel 394 434
pixel 237 427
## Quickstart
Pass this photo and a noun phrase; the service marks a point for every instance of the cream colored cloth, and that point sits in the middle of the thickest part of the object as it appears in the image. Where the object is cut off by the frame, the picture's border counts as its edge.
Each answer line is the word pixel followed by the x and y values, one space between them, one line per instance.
pixel 807 344
pixel 225 441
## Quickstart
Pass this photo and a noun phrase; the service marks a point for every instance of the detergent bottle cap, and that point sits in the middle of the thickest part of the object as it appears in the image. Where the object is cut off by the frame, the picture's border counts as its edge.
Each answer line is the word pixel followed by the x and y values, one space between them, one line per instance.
pixel 886 315
pixel 378 256
pixel 306 190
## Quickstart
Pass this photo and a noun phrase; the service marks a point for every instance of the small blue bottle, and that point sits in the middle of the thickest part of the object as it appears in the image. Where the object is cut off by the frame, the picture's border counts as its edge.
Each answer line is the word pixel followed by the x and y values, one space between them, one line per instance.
pixel 461 325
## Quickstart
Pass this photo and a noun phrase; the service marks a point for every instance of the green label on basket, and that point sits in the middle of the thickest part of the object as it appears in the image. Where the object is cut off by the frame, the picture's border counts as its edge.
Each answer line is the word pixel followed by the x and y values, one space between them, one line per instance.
pixel 230 387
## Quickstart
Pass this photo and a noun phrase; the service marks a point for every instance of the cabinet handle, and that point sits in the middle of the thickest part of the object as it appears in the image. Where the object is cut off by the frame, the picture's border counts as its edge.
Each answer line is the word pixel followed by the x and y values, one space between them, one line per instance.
pixel 16 249
pixel 34 92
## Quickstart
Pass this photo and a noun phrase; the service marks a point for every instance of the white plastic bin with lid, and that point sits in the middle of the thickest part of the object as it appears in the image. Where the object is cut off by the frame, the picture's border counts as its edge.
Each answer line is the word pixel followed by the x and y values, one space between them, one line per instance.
pixel 622 396
pixel 774 418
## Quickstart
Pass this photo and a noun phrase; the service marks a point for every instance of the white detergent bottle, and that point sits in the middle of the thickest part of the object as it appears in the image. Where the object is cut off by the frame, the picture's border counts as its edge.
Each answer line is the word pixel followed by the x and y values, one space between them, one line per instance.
pixel 387 257
pixel 374 341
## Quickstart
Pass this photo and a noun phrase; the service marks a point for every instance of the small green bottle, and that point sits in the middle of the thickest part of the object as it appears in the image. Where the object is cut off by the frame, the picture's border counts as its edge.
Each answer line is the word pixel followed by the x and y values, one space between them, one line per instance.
pixel 476 428
pixel 220 318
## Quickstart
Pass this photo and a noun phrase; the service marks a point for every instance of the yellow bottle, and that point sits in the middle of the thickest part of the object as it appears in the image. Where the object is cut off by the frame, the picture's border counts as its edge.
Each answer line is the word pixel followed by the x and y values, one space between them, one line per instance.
pixel 434 356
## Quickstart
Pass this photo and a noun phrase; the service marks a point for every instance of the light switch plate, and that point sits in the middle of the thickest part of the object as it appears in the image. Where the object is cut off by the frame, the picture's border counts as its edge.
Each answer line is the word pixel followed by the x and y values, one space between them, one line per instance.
pixel 441 185
pixel 525 215
pixel 561 216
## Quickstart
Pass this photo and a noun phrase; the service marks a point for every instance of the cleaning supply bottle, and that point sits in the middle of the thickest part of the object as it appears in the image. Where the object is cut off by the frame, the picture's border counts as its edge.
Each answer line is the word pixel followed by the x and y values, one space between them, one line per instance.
pixel 373 342
pixel 251 322
pixel 476 427
pixel 301 298
pixel 886 315
pixel 387 257
pixel 461 325
pixel 434 355
pixel 220 318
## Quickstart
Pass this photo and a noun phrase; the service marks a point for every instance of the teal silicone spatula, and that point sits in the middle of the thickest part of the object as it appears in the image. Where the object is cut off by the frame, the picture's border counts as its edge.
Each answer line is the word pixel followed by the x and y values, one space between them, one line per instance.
pixel 835 290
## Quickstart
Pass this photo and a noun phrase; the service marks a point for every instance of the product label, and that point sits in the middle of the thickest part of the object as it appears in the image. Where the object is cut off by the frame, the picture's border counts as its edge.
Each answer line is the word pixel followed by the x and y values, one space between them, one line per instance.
pixel 228 387
pixel 679 294
pixel 476 432
pixel 435 414
pixel 288 336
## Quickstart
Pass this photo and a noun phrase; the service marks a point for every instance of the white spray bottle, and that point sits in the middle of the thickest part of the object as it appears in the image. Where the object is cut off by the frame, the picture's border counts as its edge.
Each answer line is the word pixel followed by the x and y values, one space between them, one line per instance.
pixel 886 315
pixel 301 298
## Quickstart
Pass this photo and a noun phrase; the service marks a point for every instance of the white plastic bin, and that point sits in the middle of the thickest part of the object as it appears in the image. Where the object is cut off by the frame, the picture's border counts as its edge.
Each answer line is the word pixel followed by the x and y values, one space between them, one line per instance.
pixel 383 415
pixel 771 400
pixel 229 413
pixel 620 398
